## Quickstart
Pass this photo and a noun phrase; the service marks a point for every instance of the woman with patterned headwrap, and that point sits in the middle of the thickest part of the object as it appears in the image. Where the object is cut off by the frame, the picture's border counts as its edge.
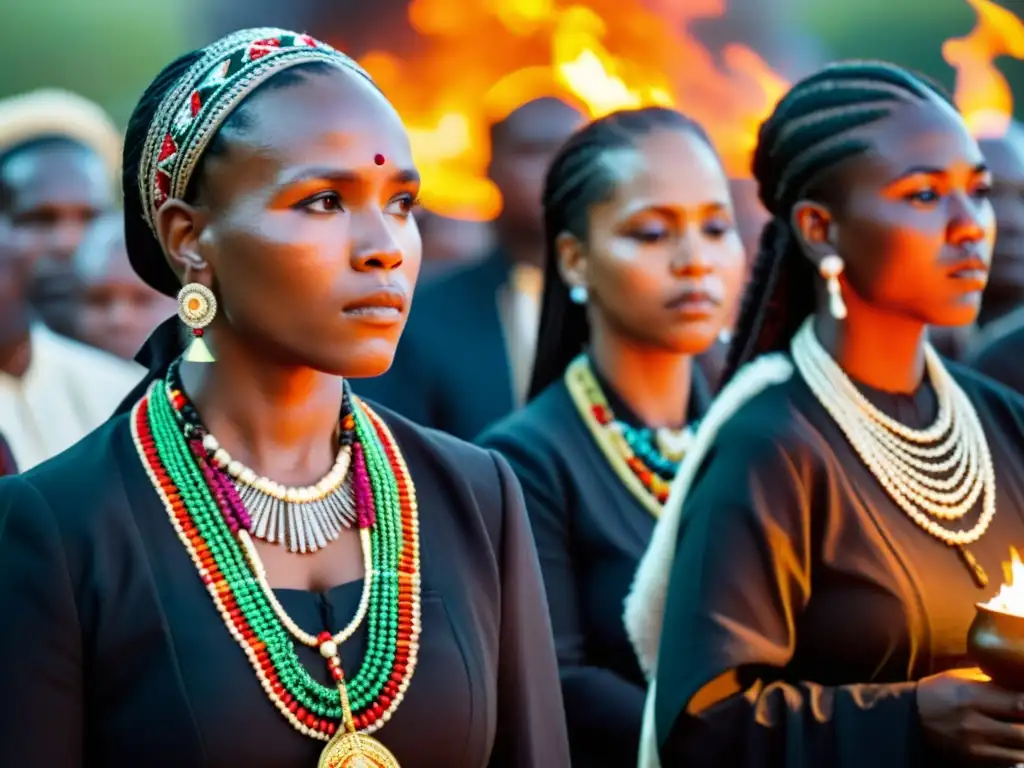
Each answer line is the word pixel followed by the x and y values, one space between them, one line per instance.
pixel 249 565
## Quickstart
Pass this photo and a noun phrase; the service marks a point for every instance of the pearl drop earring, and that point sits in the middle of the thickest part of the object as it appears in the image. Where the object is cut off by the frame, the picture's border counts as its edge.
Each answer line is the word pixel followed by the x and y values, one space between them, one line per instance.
pixel 830 268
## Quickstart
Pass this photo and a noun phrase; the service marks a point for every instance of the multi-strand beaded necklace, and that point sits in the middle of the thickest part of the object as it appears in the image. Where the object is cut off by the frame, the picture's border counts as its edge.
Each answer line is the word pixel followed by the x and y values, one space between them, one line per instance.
pixel 212 523
pixel 645 467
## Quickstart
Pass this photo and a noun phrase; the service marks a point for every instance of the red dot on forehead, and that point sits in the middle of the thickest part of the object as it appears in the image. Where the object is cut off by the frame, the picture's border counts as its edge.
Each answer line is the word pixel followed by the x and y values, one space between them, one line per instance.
pixel 378 159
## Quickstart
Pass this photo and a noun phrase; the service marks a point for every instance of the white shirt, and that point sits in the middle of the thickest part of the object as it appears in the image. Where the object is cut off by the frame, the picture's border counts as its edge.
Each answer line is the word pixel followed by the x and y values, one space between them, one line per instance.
pixel 519 309
pixel 68 390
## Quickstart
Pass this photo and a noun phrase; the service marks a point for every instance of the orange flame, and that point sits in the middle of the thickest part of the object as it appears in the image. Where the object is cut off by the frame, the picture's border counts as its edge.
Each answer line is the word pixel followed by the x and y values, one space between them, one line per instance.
pixel 1011 594
pixel 484 59
pixel 981 92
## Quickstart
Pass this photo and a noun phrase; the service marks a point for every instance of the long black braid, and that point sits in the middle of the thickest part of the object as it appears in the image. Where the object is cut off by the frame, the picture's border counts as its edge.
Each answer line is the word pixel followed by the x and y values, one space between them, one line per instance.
pixel 807 135
pixel 577 179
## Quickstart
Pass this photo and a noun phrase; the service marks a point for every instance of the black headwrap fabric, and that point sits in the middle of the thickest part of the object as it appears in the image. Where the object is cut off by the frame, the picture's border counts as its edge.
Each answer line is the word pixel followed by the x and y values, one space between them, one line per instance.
pixel 163 346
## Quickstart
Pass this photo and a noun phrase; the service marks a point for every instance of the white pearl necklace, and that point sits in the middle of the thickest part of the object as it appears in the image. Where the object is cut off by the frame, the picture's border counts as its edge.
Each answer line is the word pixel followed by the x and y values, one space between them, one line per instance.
pixel 906 461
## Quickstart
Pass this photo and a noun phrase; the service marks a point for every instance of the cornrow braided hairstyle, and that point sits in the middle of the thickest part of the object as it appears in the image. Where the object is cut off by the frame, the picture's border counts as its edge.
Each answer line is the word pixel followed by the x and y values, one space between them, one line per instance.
pixel 578 178
pixel 810 132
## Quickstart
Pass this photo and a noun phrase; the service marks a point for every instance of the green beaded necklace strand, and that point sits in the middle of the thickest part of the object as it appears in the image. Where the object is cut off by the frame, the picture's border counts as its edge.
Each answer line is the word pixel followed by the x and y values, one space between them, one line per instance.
pixel 311 698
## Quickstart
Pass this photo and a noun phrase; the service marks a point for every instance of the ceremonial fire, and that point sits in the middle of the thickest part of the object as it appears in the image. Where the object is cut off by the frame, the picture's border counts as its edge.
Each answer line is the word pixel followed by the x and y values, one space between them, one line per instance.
pixel 482 60
pixel 982 92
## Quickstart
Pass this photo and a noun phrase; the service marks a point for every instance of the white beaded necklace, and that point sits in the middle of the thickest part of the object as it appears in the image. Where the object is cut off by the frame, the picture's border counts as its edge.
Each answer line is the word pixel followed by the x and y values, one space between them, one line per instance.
pixel 913 466
pixel 302 519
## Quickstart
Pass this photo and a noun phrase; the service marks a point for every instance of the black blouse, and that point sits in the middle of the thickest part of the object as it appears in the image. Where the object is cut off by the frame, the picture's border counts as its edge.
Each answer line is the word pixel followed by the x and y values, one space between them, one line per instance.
pixel 999 351
pixel 591 533
pixel 112 653
pixel 803 602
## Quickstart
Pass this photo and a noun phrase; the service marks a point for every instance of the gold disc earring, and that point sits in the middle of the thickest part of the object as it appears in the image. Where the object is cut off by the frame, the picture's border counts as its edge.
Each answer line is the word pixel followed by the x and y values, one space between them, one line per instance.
pixel 830 268
pixel 197 306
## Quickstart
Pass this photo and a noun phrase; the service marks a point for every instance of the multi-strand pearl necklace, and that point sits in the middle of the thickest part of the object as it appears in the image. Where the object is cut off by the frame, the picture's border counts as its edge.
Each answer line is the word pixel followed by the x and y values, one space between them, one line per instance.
pixel 933 474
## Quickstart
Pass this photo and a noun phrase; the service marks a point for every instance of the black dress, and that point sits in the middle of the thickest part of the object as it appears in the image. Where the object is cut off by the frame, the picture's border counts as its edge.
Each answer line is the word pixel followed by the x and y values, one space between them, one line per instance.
pixel 590 532
pixel 999 351
pixel 112 653
pixel 803 602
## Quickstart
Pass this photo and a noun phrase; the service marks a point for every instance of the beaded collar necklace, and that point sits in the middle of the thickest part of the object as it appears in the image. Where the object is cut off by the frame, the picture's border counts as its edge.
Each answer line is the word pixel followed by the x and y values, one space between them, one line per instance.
pixel 211 521
pixel 300 519
pixel 644 460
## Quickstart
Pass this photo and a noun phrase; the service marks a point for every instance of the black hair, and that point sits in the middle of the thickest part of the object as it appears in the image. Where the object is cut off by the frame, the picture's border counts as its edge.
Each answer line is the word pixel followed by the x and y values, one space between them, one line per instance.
pixel 168 340
pixel 501 131
pixel 810 133
pixel 576 180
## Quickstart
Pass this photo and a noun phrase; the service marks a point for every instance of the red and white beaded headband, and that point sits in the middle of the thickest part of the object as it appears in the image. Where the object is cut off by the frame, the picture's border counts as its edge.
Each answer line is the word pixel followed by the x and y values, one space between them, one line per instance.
pixel 207 93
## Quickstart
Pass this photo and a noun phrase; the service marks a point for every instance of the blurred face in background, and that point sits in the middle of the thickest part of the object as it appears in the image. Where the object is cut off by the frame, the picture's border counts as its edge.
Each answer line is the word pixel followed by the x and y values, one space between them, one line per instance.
pixel 15 312
pixel 54 190
pixel 449 243
pixel 663 259
pixel 1005 158
pixel 115 311
pixel 522 147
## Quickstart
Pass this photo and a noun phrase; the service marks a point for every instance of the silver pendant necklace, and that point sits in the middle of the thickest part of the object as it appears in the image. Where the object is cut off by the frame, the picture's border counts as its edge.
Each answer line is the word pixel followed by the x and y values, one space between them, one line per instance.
pixel 301 519
pixel 299 526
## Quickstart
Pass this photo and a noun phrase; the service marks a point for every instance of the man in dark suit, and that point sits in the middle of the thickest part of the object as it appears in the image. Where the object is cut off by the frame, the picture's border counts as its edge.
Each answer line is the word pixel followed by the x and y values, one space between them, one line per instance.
pixel 467 352
pixel 1005 290
pixel 1002 304
pixel 997 348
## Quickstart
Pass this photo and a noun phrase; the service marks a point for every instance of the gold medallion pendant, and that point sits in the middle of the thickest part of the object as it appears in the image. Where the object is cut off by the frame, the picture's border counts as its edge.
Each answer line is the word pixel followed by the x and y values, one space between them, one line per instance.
pixel 355 750
pixel 349 748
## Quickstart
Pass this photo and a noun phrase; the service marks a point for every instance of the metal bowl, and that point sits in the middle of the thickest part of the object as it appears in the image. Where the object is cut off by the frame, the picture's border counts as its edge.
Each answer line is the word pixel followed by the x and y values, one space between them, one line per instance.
pixel 995 643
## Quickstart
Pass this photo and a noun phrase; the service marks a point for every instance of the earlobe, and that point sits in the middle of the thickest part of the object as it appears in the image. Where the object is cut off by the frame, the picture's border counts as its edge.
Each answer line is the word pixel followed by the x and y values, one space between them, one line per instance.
pixel 572 260
pixel 178 228
pixel 812 223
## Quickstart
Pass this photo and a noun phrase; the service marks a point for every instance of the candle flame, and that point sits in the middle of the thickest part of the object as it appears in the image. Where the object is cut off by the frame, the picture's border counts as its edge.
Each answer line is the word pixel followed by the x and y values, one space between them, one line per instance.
pixel 1010 599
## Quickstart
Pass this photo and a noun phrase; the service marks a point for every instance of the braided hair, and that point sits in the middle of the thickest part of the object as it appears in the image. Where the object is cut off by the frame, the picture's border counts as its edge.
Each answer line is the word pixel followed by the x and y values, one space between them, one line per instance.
pixel 578 179
pixel 809 134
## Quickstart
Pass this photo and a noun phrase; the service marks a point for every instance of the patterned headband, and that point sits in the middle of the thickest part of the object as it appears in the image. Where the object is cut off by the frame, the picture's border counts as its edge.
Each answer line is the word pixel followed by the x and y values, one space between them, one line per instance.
pixel 202 99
